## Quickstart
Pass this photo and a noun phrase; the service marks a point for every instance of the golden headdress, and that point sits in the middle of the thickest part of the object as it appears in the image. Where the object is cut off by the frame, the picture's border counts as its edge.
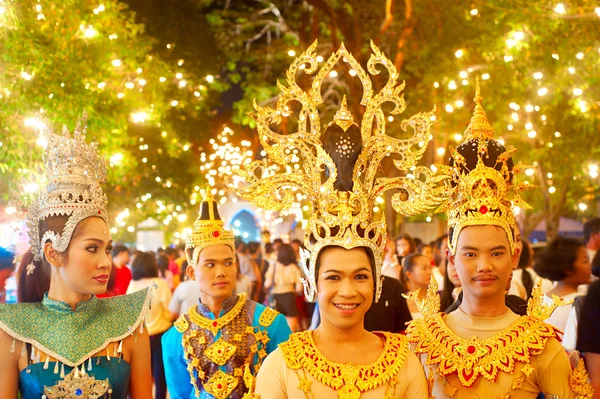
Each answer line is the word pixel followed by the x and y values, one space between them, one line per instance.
pixel 482 179
pixel 335 166
pixel 208 230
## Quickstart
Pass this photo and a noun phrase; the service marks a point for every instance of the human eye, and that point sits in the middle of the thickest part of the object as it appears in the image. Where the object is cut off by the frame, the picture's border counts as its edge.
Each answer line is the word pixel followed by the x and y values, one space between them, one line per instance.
pixel 109 249
pixel 362 276
pixel 229 263
pixel 332 277
pixel 93 249
pixel 209 264
pixel 498 253
pixel 469 254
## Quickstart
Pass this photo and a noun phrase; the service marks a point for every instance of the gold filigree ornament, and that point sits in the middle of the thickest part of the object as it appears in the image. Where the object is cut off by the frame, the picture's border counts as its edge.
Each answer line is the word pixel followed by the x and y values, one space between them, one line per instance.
pixel 298 161
pixel 473 358
pixel 214 325
pixel 77 385
pixel 220 385
pixel 348 380
pixel 483 195
pixel 579 382
pixel 220 352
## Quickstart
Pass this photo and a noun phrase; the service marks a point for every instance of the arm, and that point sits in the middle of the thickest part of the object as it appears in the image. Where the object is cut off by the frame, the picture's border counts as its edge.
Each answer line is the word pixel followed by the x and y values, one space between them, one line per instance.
pixel 271 381
pixel 178 378
pixel 592 364
pixel 269 277
pixel 279 331
pixel 9 368
pixel 552 371
pixel 298 282
pixel 175 304
pixel 140 380
pixel 417 387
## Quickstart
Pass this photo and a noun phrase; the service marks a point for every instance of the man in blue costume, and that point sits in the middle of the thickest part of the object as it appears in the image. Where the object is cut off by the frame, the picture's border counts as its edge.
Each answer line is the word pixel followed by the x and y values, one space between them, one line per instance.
pixel 215 349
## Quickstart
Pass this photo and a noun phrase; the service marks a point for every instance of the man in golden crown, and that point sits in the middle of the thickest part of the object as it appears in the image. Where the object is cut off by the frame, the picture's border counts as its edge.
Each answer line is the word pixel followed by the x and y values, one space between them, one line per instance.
pixel 345 238
pixel 214 349
pixel 483 349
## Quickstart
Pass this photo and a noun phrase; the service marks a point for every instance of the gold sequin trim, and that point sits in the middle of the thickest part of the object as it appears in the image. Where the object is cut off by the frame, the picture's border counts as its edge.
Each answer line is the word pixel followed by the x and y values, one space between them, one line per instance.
pixel 471 358
pixel 267 317
pixel 215 325
pixel 181 324
pixel 579 382
pixel 349 380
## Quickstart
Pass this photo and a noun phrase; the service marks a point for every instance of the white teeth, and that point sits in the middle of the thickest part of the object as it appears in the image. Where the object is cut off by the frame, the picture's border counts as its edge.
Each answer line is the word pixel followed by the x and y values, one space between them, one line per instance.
pixel 346 307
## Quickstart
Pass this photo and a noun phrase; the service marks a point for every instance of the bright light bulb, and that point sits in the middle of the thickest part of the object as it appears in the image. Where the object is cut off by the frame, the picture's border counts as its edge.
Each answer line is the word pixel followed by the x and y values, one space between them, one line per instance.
pixel 441 151
pixel 459 103
pixel 352 72
pixel 519 35
pixel 449 108
pixel 291 53
pixel 571 70
pixel 560 9
pixel 485 76
pixel 333 74
pixel 463 74
pixel 552 189
pixel 319 58
pixel 31 188
pixel 538 75
pixel 577 91
pixel 508 58
pixel 529 126
pixel 458 137
pixel 174 103
pixel 474 12
pixel 579 56
pixel 117 63
pixel 116 159
pixel 210 78
pixel 436 84
pixel 542 92
pixel 582 207
pixel 529 172
pixel 452 85
pixel 459 53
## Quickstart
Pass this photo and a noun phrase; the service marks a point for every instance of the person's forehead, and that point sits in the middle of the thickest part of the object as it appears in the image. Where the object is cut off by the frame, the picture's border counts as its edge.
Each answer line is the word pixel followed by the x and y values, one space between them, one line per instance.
pixel 216 252
pixel 482 237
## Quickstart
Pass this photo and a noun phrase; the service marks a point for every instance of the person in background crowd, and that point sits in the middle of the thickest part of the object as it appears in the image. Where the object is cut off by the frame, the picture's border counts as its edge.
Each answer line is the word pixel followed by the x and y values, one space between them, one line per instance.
pixel 276 244
pixel 164 272
pixel 171 254
pixel 570 336
pixel 391 267
pixel 284 279
pixel 120 259
pixel 256 256
pixel 405 245
pixel 180 259
pixel 184 297
pixel 415 276
pixel 565 261
pixel 526 276
pixel 418 244
pixel 6 270
pixel 591 236
pixel 440 248
pixel 144 270
pixel 247 267
pixel 242 282
pixel 296 244
pixel 160 251
pixel 270 255
pixel 588 336
pixel 452 288
pixel 427 251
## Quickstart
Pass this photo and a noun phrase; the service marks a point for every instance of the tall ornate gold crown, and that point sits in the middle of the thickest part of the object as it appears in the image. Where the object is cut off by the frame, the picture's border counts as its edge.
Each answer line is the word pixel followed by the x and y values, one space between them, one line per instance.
pixel 341 216
pixel 74 172
pixel 483 194
pixel 208 230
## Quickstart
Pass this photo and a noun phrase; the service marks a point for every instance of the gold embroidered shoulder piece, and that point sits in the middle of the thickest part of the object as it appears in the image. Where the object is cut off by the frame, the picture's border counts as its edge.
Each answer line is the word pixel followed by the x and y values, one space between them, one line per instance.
pixel 471 358
pixel 181 324
pixel 579 382
pixel 538 309
pixel 215 325
pixel 267 317
pixel 349 380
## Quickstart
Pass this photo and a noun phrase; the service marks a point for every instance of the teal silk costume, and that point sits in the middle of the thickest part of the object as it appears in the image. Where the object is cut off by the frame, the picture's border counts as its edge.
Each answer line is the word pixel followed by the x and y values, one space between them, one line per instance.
pixel 205 357
pixel 72 337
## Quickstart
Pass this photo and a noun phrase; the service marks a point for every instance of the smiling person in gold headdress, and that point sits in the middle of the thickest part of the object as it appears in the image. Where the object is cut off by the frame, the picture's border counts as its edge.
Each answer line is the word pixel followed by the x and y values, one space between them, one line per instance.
pixel 213 350
pixel 337 168
pixel 483 349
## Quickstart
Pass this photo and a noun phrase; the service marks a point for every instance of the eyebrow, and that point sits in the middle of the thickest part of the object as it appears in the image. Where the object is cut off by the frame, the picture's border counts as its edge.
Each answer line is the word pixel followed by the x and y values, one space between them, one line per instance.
pixel 97 240
pixel 216 260
pixel 468 248
pixel 362 269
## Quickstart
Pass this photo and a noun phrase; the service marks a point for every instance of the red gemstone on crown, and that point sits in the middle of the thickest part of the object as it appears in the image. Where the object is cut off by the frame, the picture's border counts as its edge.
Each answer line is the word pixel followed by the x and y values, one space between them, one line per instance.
pixel 483 210
pixel 99 212
pixel 216 234
pixel 220 386
pixel 471 349
pixel 215 324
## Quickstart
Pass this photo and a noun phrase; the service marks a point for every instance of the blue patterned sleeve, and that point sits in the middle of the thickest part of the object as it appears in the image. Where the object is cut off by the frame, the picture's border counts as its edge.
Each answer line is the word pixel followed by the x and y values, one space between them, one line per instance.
pixel 178 378
pixel 279 332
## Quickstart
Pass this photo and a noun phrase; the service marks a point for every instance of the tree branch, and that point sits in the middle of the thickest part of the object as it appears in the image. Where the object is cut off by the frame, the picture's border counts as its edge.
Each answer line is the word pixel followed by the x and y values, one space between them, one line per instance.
pixel 387 22
pixel 407 31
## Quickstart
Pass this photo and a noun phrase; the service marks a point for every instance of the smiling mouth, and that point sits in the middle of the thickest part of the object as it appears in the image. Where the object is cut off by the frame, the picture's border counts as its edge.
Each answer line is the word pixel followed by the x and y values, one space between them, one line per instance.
pixel 346 307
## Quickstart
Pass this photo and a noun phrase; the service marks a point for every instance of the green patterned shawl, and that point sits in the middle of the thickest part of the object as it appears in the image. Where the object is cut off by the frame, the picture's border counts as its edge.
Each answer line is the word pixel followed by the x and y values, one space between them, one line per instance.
pixel 73 336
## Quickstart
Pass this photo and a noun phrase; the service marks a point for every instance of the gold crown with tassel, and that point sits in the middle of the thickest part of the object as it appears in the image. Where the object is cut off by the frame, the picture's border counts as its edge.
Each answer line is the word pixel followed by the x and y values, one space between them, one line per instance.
pixel 486 193
pixel 299 162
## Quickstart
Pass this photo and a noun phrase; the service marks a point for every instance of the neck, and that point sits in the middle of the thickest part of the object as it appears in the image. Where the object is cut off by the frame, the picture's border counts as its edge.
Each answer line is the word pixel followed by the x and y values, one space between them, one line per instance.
pixel 492 306
pixel 59 292
pixel 563 288
pixel 214 304
pixel 326 332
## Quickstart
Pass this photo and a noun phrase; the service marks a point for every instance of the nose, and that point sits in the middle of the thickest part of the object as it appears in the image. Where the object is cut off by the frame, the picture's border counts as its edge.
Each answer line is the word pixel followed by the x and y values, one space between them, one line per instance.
pixel 484 264
pixel 106 262
pixel 347 288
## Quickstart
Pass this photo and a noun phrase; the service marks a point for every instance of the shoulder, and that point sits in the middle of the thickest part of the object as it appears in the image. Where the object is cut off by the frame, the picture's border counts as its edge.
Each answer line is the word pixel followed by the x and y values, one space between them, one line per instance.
pixel 266 316
pixel 172 336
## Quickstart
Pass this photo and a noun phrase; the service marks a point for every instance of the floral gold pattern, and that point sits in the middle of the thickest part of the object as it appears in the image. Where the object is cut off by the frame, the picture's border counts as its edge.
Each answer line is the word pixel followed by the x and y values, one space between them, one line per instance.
pixel 220 352
pixel 342 218
pixel 349 380
pixel 267 317
pixel 579 382
pixel 220 385
pixel 215 325
pixel 78 386
pixel 181 324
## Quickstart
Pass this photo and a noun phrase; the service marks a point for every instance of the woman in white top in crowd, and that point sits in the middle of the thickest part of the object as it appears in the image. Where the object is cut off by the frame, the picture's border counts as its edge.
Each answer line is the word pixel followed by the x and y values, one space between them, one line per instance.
pixel 284 278
pixel 144 271
pixel 566 262
pixel 416 274
pixel 391 267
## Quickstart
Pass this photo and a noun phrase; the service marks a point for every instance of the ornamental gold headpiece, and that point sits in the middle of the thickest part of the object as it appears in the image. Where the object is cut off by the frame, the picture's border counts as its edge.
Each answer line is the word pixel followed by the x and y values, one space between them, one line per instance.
pixel 483 181
pixel 335 165
pixel 208 230
pixel 74 172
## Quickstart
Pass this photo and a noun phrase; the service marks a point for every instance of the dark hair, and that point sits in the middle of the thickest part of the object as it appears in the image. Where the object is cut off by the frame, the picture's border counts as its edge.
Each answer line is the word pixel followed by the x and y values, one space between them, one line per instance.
pixel 170 251
pixel 253 247
pixel 446 298
pixel 590 227
pixel 438 241
pixel 411 242
pixel 596 264
pixel 408 264
pixel 297 241
pixel 286 255
pixel 269 248
pixel 144 266
pixel 343 147
pixel 159 250
pixel 277 241
pixel 558 258
pixel 162 264
pixel 524 261
pixel 418 243
pixel 117 249
pixel 32 287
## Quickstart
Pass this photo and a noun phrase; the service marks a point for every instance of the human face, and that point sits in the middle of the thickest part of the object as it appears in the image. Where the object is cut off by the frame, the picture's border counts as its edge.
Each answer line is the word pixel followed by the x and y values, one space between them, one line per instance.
pixel 86 267
pixel 215 272
pixel 518 245
pixel 420 275
pixel 345 286
pixel 427 252
pixel 582 268
pixel 402 247
pixel 483 261
pixel 453 275
pixel 121 259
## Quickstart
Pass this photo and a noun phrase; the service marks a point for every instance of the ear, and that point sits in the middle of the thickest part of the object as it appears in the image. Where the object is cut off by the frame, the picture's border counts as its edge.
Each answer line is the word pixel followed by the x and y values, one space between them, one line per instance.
pixel 190 272
pixel 515 258
pixel 450 257
pixel 52 255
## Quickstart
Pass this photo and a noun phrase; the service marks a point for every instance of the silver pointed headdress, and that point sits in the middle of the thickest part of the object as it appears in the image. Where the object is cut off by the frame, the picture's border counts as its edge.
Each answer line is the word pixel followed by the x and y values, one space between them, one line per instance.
pixel 74 172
